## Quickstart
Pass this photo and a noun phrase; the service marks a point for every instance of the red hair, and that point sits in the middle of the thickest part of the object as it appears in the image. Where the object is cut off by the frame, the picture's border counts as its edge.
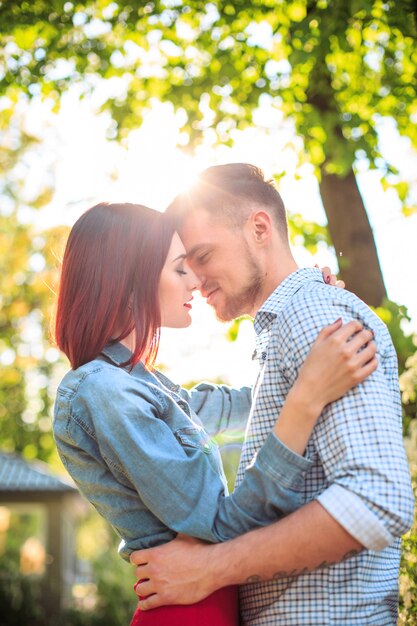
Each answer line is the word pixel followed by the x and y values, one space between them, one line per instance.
pixel 109 281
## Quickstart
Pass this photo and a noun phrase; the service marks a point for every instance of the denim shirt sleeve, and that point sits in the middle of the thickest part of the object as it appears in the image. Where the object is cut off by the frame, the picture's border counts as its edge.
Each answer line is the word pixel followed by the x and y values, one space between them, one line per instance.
pixel 176 474
pixel 220 407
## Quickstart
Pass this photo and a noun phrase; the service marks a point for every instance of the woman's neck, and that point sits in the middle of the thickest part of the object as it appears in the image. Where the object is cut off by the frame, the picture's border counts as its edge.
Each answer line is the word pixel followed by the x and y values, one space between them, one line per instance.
pixel 129 342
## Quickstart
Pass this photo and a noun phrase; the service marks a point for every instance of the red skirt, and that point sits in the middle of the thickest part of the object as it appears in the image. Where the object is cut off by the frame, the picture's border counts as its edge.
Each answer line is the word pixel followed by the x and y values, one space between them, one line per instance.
pixel 218 609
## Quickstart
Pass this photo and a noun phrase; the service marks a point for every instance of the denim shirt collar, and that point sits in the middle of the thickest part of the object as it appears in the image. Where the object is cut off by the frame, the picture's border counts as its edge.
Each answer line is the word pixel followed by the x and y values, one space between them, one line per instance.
pixel 279 298
pixel 117 353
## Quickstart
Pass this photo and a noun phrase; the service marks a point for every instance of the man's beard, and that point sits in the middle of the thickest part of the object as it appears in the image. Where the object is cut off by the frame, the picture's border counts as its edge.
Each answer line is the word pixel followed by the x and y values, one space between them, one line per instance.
pixel 243 302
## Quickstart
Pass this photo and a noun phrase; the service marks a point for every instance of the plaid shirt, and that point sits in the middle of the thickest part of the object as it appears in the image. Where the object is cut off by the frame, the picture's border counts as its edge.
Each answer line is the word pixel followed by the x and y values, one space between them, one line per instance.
pixel 359 472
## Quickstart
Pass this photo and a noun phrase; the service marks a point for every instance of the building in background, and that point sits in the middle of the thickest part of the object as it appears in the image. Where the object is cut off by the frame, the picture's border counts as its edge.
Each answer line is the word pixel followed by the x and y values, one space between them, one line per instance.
pixel 38 514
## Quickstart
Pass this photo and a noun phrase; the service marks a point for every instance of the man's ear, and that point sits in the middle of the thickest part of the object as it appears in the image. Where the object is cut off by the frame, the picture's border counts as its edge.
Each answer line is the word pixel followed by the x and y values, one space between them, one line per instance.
pixel 260 223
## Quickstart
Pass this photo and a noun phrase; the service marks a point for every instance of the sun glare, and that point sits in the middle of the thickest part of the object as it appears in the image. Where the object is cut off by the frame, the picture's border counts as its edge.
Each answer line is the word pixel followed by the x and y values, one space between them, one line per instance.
pixel 152 169
pixel 186 178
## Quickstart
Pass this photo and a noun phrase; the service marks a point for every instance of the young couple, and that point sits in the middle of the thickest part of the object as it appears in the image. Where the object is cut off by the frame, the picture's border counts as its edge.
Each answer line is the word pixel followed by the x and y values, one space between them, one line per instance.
pixel 312 531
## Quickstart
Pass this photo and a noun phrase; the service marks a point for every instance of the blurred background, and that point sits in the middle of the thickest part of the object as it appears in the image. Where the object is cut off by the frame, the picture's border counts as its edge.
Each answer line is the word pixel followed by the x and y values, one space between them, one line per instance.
pixel 127 101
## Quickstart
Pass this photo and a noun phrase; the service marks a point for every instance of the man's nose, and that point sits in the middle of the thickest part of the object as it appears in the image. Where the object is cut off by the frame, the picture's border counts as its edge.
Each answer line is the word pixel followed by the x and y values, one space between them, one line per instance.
pixel 195 281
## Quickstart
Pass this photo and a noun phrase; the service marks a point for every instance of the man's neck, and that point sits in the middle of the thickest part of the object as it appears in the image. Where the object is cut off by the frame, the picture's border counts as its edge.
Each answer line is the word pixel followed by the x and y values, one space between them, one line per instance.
pixel 275 275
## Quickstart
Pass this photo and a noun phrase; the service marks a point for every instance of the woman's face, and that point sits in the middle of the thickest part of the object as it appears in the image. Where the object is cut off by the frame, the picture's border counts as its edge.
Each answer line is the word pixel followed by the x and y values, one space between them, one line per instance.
pixel 176 285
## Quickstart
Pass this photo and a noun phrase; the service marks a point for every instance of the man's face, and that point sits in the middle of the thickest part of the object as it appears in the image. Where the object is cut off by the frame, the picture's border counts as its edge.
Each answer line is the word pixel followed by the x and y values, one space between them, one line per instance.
pixel 219 254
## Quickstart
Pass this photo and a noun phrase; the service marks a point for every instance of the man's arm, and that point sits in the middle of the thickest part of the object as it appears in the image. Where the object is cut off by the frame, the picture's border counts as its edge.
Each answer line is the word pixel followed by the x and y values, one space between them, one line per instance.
pixel 186 570
pixel 358 439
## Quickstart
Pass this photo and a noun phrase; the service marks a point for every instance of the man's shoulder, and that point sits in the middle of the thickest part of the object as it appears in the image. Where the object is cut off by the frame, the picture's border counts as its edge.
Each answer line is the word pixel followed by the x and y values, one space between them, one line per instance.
pixel 320 299
pixel 315 305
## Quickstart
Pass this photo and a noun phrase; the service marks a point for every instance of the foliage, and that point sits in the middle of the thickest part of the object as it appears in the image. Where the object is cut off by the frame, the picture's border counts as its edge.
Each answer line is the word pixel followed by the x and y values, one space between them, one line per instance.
pixel 395 316
pixel 309 235
pixel 28 266
pixel 107 598
pixel 115 597
pixel 20 595
pixel 328 65
pixel 409 380
pixel 116 601
pixel 408 572
pixel 26 387
pixel 19 600
pixel 233 328
pixel 335 69
pixel 408 386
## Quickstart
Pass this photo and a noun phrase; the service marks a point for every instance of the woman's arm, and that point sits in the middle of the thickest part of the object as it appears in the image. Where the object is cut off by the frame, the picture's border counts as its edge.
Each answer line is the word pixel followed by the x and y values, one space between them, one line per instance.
pixel 149 465
pixel 273 483
pixel 224 408
pixel 341 358
pixel 220 407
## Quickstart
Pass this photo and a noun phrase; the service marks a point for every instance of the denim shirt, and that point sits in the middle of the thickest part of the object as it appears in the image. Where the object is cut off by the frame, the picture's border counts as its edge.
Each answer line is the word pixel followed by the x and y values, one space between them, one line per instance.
pixel 140 454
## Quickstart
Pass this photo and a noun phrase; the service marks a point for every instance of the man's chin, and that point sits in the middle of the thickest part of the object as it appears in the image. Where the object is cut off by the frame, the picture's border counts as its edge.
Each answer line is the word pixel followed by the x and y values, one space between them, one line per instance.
pixel 224 318
pixel 225 315
pixel 228 309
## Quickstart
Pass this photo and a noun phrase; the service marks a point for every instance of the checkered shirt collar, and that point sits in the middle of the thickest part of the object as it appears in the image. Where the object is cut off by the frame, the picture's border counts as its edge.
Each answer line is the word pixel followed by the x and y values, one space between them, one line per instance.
pixel 282 294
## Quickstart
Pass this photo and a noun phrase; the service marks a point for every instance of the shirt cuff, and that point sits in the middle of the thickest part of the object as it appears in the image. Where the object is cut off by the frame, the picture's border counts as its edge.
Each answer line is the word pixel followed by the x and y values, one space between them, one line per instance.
pixel 352 513
pixel 282 464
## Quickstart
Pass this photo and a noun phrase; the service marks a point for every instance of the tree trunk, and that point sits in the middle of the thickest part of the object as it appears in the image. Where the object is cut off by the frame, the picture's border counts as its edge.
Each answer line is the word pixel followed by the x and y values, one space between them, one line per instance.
pixel 348 224
pixel 352 237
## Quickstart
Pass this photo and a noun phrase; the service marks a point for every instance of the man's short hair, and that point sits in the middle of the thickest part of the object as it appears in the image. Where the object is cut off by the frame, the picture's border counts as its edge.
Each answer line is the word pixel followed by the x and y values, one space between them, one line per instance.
pixel 230 193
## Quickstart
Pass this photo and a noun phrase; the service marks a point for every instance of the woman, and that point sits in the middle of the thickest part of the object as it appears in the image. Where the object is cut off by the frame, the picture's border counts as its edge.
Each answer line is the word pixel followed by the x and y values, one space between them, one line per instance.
pixel 130 438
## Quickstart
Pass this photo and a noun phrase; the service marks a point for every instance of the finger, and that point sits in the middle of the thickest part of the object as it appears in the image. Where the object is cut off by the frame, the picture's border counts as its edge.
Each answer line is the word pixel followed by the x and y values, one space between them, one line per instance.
pixel 326 331
pixel 364 356
pixel 367 369
pixel 139 557
pixel 152 602
pixel 348 329
pixel 361 338
pixel 144 588
pixel 340 284
pixel 142 572
pixel 326 274
pixel 332 280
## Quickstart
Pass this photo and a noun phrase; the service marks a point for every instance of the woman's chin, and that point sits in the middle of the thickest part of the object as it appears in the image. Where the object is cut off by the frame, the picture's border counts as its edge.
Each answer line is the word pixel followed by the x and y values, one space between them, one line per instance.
pixel 184 323
pixel 187 322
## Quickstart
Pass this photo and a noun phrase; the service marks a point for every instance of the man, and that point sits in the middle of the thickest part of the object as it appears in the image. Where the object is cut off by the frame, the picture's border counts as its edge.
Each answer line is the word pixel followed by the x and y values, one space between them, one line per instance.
pixel 335 560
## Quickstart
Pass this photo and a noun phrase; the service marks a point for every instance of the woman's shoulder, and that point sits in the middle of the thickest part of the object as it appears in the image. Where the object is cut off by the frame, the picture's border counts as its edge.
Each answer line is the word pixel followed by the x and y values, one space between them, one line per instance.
pixel 99 381
pixel 95 372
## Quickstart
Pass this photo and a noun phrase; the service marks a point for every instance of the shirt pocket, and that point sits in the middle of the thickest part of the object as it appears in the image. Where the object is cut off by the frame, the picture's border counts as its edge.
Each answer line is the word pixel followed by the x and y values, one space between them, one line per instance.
pixel 193 437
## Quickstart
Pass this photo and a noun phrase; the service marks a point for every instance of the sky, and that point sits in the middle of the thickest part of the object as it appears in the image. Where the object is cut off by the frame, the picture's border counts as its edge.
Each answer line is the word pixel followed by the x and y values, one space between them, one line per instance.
pixel 85 168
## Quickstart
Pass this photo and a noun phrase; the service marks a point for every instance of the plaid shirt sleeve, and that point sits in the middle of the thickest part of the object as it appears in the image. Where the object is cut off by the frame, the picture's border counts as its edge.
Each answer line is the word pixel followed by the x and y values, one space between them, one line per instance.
pixel 358 438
